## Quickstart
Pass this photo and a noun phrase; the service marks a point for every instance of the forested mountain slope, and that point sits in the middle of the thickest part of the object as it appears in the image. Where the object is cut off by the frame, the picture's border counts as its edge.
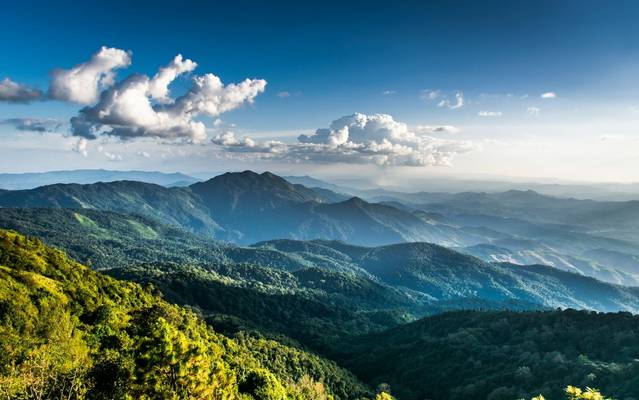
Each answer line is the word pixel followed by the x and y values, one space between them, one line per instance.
pixel 67 331
pixel 501 355
pixel 247 207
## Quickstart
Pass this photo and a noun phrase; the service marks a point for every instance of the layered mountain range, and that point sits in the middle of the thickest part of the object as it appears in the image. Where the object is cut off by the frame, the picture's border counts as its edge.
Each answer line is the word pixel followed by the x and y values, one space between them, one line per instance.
pixel 591 238
pixel 298 282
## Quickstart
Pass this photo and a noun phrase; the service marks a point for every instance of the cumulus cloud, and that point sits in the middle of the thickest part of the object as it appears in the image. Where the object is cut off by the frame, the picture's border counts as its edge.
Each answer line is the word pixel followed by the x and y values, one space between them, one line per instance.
pixel 139 106
pixel 459 102
pixel 284 94
pixel 81 147
pixel 548 95
pixel 388 92
pixel 159 85
pixel 82 83
pixel 534 111
pixel 489 113
pixel 356 138
pixel 33 124
pixel 14 92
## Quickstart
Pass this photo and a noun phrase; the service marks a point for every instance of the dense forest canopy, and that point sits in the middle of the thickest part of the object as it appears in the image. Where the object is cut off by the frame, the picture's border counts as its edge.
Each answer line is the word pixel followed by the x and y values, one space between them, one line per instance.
pixel 66 331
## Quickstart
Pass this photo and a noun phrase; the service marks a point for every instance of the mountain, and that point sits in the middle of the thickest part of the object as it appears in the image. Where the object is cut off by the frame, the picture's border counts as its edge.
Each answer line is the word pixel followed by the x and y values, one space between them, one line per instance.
pixel 70 332
pixel 442 274
pixel 176 206
pixel 105 239
pixel 615 219
pixel 500 355
pixel 84 176
pixel 248 207
pixel 245 207
pixel 527 252
pixel 314 183
pixel 426 277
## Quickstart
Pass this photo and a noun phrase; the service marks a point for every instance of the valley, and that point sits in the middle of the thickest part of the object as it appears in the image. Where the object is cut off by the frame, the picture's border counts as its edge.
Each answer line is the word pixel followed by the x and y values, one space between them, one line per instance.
pixel 315 293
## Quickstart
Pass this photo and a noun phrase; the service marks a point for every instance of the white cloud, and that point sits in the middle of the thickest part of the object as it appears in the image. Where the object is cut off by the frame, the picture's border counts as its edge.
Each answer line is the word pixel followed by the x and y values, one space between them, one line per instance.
pixel 82 83
pixel 548 95
pixel 14 92
pixel 143 154
pixel 489 113
pixel 388 92
pixel 139 106
pixel 358 139
pixel 430 129
pixel 534 111
pixel 459 102
pixel 33 124
pixel 159 84
pixel 284 94
pixel 81 147
pixel 430 94
pixel 112 156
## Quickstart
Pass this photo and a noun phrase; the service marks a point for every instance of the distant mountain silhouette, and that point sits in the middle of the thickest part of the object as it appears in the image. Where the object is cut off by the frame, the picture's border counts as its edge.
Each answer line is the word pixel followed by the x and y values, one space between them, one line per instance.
pixel 84 176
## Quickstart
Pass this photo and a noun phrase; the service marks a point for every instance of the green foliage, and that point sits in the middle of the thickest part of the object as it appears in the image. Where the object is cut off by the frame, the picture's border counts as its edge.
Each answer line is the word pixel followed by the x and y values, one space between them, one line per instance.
pixel 69 332
pixel 309 316
pixel 575 393
pixel 500 355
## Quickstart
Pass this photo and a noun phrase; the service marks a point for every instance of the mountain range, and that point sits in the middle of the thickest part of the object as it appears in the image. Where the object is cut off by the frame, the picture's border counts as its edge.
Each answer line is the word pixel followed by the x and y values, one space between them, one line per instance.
pixel 587 237
pixel 421 278
pixel 32 180
pixel 298 282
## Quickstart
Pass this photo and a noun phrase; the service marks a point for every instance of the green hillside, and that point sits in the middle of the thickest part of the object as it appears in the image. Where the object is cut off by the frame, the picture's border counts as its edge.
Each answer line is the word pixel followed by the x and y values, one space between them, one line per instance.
pixel 69 332
pixel 501 355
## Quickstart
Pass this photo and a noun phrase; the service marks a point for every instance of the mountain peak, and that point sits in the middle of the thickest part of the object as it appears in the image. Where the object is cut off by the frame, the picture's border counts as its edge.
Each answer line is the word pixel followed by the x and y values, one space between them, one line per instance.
pixel 245 182
pixel 355 201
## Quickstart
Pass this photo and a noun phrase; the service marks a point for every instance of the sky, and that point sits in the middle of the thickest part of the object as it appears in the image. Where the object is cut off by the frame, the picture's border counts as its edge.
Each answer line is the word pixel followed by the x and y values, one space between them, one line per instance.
pixel 544 90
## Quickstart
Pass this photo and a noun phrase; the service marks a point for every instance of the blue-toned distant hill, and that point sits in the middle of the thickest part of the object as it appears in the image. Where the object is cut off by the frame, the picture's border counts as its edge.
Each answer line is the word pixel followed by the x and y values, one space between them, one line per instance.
pixel 84 176
pixel 314 183
pixel 246 207
pixel 419 278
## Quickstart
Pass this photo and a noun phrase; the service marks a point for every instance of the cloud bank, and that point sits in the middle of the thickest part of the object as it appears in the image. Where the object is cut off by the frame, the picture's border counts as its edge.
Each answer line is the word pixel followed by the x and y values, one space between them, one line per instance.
pixel 137 106
pixel 140 106
pixel 33 124
pixel 14 92
pixel 358 139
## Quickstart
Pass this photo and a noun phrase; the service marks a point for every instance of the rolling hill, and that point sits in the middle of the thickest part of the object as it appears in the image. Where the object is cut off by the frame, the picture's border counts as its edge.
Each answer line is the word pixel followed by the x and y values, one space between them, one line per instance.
pixel 67 331
pixel 425 275
pixel 500 355
pixel 84 176
pixel 244 207
pixel 247 207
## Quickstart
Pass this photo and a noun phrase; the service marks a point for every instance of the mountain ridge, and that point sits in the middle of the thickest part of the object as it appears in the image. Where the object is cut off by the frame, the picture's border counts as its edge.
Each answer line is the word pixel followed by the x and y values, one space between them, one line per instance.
pixel 30 180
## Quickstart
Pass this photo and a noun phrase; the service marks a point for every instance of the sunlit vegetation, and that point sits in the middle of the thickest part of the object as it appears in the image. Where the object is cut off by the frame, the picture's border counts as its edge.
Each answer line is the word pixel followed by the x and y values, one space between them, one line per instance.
pixel 69 332
pixel 575 393
pixel 263 322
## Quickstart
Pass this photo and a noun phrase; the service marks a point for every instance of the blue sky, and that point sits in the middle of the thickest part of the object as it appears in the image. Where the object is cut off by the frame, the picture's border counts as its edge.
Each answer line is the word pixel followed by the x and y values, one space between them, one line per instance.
pixel 334 59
